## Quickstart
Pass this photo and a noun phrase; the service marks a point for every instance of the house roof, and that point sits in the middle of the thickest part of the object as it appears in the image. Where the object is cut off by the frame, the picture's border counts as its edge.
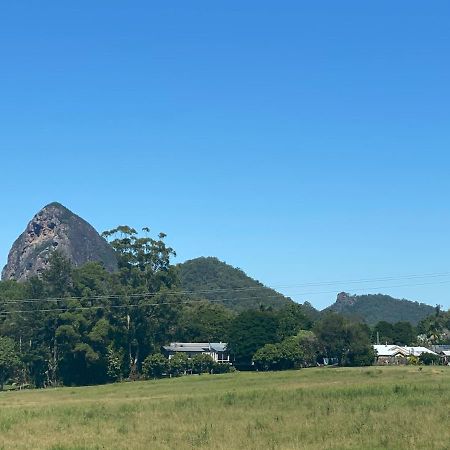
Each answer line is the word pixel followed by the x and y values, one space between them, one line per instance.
pixel 417 351
pixel 440 347
pixel 196 347
pixel 390 350
pixel 393 350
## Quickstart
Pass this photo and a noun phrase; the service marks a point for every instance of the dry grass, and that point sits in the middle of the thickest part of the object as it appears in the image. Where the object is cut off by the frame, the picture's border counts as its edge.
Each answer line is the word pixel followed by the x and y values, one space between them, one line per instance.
pixel 368 408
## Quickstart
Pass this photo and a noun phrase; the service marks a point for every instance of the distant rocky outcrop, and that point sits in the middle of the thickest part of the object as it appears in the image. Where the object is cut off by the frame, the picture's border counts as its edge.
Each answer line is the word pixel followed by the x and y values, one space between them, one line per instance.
pixel 372 308
pixel 56 228
pixel 344 300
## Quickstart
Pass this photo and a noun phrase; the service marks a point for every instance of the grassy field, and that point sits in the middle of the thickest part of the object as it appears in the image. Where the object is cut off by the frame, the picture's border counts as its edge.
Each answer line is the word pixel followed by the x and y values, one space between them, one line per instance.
pixel 360 408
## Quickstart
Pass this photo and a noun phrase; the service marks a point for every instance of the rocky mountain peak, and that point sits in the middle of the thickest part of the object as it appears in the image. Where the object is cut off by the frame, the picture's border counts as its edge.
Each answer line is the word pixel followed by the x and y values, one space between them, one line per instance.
pixel 56 227
pixel 345 298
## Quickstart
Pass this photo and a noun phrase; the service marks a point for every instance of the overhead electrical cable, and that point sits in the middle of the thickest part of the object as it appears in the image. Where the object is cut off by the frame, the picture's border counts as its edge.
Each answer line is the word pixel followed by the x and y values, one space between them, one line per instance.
pixel 191 301
pixel 244 289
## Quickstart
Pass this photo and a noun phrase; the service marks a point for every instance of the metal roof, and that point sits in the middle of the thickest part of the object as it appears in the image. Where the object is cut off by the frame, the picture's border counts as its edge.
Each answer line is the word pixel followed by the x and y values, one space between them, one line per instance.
pixel 392 350
pixel 417 351
pixel 196 347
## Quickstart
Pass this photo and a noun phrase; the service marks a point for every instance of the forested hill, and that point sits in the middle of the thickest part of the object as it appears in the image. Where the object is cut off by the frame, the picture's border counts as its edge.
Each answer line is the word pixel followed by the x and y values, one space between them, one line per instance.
pixel 373 308
pixel 214 280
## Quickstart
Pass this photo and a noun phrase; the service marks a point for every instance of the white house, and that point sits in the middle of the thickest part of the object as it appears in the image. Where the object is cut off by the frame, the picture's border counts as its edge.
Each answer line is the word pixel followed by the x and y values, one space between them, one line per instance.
pixel 217 350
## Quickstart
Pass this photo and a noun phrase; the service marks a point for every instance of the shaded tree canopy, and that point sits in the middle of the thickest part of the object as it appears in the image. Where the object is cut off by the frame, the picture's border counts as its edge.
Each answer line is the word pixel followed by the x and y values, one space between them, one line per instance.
pixel 249 331
pixel 400 333
pixel 347 341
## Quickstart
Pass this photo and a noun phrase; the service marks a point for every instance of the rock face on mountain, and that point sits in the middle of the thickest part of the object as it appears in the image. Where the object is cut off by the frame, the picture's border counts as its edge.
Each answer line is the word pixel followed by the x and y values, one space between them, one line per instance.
pixel 56 228
pixel 372 308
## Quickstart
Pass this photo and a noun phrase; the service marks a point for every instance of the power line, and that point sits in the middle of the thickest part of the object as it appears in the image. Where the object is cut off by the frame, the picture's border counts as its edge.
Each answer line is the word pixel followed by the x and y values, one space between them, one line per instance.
pixel 143 305
pixel 243 289
pixel 136 305
pixel 370 280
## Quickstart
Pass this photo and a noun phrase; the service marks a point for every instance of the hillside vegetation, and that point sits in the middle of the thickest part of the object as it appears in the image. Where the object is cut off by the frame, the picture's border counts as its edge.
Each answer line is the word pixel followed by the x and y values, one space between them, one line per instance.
pixel 373 308
pixel 216 281
pixel 350 408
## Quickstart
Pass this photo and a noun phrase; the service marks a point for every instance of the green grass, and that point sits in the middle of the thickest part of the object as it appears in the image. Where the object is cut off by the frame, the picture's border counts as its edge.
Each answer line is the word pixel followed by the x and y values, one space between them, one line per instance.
pixel 367 408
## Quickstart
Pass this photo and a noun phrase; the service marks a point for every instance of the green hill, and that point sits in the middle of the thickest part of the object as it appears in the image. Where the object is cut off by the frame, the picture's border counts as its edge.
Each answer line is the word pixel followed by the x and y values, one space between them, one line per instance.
pixel 375 307
pixel 212 279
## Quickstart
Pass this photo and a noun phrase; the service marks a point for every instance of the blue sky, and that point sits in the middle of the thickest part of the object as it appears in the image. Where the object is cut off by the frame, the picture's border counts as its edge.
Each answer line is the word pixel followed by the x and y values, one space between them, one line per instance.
pixel 299 141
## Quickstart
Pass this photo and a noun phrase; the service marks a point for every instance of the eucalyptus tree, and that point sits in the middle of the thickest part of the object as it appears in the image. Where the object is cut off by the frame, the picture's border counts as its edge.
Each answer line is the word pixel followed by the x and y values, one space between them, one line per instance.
pixel 149 305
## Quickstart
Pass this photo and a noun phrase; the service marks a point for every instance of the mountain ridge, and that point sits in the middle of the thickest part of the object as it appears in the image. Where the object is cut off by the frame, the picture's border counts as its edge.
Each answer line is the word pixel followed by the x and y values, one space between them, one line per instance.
pixel 373 308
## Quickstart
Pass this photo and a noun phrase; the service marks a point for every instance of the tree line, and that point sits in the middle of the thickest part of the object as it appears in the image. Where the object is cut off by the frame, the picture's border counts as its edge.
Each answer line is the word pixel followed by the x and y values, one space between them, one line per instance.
pixel 84 325
pixel 432 330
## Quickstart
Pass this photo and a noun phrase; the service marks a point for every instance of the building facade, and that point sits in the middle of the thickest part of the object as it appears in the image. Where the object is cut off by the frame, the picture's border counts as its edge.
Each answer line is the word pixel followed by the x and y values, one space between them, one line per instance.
pixel 217 350
pixel 396 354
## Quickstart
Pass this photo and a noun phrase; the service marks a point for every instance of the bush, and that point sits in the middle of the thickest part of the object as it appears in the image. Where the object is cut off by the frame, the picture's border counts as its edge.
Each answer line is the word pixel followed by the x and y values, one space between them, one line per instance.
pixel 222 368
pixel 267 357
pixel 283 356
pixel 429 359
pixel 202 363
pixel 293 353
pixel 179 364
pixel 155 366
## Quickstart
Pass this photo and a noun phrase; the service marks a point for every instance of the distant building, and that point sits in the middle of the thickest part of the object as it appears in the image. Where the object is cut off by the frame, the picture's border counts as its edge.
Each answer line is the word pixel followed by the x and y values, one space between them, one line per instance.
pixel 396 354
pixel 390 354
pixel 445 355
pixel 440 348
pixel 444 352
pixel 418 351
pixel 217 350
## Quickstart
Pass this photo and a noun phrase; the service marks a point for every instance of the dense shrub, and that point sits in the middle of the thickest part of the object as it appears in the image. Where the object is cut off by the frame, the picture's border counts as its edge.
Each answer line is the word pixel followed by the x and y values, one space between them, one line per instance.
pixel 202 363
pixel 179 364
pixel 222 368
pixel 294 352
pixel 429 359
pixel 155 366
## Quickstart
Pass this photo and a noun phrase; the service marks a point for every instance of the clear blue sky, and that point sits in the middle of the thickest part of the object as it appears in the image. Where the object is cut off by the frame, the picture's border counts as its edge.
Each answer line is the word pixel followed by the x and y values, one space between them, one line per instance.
pixel 299 141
